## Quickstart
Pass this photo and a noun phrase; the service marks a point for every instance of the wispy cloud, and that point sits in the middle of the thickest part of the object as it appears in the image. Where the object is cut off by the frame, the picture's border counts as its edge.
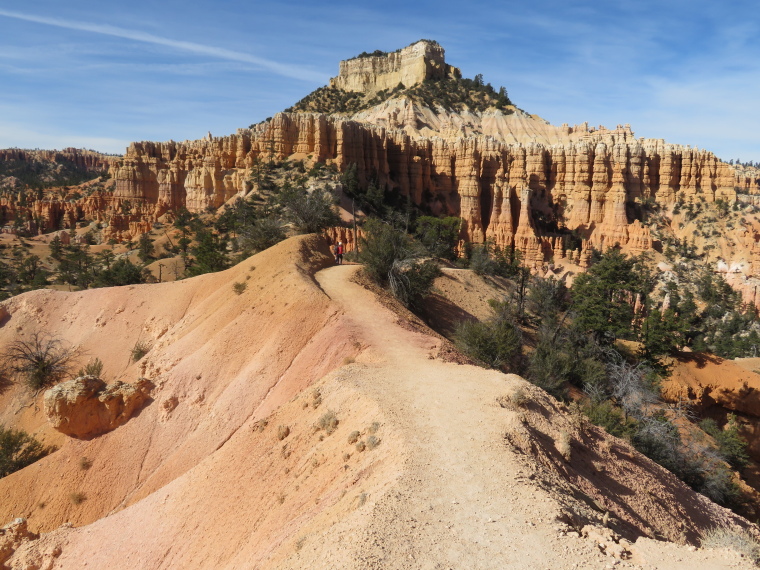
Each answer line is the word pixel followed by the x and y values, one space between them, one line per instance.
pixel 286 70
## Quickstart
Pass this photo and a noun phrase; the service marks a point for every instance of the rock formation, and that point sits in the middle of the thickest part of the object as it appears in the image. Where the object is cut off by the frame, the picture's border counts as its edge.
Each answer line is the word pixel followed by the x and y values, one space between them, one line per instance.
pixel 86 407
pixel 12 536
pixel 374 72
pixel 581 186
pixel 82 158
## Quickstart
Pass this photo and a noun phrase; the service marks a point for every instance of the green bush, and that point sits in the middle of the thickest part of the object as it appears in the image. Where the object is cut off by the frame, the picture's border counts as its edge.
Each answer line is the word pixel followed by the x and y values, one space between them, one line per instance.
pixel 121 272
pixel 604 414
pixel 260 235
pixel 488 259
pixel 92 368
pixel 440 236
pixel 310 212
pixel 382 246
pixel 411 282
pixel 732 448
pixel 496 342
pixel 19 449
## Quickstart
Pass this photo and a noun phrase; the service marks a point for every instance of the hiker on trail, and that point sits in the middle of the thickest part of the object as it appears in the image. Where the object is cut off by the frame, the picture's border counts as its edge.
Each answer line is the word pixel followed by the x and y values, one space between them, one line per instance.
pixel 339 256
pixel 335 251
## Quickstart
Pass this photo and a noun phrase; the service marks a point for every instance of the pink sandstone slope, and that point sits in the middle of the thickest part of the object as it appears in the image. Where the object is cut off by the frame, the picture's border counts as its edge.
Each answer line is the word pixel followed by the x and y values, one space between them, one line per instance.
pixel 303 424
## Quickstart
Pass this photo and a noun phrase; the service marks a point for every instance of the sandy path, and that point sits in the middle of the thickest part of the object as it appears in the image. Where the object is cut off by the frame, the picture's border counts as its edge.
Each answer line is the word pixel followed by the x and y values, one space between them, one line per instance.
pixel 458 477
pixel 464 499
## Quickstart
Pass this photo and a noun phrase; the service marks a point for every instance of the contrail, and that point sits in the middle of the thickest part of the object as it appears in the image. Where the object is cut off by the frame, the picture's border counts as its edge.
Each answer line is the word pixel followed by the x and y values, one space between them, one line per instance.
pixel 285 70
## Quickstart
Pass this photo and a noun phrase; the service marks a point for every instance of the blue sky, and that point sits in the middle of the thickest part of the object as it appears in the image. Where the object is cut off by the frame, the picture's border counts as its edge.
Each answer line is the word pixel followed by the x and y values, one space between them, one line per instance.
pixel 95 75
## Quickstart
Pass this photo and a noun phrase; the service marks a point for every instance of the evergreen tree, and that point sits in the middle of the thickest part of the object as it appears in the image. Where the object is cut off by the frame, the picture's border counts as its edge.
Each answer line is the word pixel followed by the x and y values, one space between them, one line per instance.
pixel 145 248
pixel 439 235
pixel 210 253
pixel 604 296
pixel 121 272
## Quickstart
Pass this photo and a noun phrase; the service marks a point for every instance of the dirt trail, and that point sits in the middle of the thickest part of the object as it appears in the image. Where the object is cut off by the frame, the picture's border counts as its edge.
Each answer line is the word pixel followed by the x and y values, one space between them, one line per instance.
pixel 463 500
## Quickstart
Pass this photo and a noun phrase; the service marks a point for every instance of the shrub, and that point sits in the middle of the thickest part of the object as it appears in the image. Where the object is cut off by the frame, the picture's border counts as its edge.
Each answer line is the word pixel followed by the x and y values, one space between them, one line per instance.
pixel 328 422
pixel 411 282
pixel 19 449
pixel 550 367
pixel 239 287
pixel 261 234
pixel 78 498
pixel 84 463
pixel 563 445
pixel 488 259
pixel 140 349
pixel 121 272
pixel 41 361
pixel 353 437
pixel 731 446
pixel 738 540
pixel 381 247
pixel 497 342
pixel 92 368
pixel 372 442
pixel 309 211
pixel 390 259
pixel 283 432
pixel 439 236
pixel 604 414
pixel 516 396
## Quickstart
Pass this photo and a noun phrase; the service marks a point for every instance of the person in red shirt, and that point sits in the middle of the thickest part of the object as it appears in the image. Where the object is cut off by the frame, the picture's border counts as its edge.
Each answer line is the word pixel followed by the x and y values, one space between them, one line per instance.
pixel 339 255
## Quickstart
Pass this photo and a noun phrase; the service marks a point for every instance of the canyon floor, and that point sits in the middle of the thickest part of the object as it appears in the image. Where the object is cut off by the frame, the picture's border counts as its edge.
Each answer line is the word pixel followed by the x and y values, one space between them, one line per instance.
pixel 308 422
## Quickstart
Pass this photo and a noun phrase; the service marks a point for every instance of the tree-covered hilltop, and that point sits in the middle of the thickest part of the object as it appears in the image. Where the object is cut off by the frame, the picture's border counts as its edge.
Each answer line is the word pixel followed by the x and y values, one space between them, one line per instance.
pixel 451 94
pixel 381 53
pixel 45 174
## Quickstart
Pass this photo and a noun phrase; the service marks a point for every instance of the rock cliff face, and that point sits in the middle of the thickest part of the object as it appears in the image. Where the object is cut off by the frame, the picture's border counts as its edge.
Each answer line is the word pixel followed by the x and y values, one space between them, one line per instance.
pixel 411 65
pixel 82 158
pixel 497 188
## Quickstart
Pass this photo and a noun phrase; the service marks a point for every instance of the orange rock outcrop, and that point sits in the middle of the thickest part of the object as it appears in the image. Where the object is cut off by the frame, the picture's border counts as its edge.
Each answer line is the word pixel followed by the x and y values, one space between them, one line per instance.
pixel 86 407
pixel 584 186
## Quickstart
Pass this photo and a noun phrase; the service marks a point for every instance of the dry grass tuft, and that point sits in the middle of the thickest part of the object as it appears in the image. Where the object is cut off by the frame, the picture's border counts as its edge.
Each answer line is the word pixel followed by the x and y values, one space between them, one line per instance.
pixel 372 442
pixel 140 349
pixel 361 446
pixel 78 498
pixel 328 422
pixel 739 541
pixel 563 445
pixel 516 397
pixel 84 463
